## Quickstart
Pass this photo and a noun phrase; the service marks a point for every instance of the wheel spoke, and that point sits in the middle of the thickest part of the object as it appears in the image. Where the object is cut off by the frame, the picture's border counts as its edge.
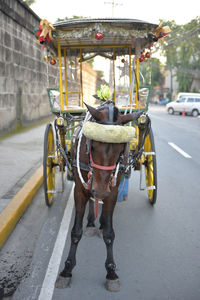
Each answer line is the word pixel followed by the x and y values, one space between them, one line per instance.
pixel 49 169
pixel 150 168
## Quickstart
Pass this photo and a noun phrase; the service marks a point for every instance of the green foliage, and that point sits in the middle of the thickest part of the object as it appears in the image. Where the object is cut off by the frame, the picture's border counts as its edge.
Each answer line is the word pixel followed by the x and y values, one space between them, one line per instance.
pixel 182 52
pixel 157 75
pixel 153 69
pixel 100 74
pixel 103 93
pixel 29 2
pixel 91 62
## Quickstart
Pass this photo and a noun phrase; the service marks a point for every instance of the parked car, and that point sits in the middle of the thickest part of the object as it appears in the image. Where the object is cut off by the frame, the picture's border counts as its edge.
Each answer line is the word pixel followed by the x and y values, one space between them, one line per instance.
pixel 186 95
pixel 190 105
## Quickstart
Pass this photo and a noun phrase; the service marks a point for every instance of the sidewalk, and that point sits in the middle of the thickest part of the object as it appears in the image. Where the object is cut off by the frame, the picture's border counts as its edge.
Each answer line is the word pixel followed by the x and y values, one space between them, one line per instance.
pixel 20 156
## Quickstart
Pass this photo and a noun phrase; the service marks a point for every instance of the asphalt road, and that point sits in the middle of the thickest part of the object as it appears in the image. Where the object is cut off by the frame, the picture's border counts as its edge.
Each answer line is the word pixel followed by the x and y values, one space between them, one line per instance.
pixel 157 249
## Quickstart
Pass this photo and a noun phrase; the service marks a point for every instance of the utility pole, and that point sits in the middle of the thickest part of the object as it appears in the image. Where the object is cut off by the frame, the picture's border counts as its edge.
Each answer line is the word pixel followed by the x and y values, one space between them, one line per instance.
pixel 113 6
pixel 171 82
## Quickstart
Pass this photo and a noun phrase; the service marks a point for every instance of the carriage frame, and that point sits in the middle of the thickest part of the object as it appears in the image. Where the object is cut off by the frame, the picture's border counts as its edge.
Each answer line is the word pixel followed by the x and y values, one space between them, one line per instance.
pixel 138 35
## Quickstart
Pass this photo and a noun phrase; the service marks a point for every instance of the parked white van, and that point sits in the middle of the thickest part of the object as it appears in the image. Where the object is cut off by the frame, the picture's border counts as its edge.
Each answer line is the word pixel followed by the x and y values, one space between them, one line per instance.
pixel 184 95
pixel 189 104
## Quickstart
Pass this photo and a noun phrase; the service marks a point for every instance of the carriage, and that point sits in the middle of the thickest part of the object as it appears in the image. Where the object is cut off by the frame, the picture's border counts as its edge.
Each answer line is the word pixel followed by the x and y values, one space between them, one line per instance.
pixel 125 46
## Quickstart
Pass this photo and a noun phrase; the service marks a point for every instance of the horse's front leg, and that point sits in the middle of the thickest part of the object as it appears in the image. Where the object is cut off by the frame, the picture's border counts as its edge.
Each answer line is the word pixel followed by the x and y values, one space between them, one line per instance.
pixel 90 228
pixel 65 276
pixel 112 279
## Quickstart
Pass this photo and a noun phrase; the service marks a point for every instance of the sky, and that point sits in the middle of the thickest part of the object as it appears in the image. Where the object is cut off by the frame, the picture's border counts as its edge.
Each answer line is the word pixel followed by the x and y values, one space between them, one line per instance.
pixel 150 11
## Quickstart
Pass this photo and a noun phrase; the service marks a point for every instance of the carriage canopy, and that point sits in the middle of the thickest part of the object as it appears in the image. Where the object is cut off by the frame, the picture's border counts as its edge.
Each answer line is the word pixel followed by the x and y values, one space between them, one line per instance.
pixel 75 41
pixel 104 34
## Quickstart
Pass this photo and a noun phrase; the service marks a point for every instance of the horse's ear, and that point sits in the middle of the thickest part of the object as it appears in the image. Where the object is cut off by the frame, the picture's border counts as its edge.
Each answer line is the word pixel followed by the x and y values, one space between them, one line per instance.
pixel 94 112
pixel 123 119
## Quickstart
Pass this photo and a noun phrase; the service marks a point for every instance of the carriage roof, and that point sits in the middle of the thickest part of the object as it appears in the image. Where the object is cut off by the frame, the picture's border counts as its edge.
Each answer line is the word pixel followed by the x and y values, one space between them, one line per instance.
pixel 119 33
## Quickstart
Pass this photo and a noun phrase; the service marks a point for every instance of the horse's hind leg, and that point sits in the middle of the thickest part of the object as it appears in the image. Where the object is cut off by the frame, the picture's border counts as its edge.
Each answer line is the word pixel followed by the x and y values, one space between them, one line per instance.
pixel 64 279
pixel 90 228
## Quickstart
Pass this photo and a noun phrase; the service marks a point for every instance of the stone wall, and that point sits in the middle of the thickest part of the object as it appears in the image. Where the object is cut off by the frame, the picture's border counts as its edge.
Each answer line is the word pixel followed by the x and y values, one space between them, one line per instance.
pixel 89 84
pixel 23 72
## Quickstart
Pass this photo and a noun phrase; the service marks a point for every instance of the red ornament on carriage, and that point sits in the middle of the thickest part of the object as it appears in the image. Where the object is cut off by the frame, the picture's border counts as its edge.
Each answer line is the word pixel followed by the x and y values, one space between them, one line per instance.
pixel 99 36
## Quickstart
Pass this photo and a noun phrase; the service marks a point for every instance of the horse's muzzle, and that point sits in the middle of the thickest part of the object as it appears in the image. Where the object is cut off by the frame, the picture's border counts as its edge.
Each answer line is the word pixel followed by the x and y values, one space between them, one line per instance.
pixel 100 190
pixel 100 194
pixel 101 185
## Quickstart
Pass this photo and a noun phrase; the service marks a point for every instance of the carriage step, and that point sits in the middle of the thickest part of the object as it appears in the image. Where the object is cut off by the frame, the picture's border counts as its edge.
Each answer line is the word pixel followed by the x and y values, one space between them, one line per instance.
pixel 148 188
pixel 149 153
pixel 51 192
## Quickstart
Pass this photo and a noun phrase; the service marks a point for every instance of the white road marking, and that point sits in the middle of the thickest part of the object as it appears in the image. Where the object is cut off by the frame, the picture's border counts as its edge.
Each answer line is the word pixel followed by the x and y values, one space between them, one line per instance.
pixel 54 263
pixel 178 149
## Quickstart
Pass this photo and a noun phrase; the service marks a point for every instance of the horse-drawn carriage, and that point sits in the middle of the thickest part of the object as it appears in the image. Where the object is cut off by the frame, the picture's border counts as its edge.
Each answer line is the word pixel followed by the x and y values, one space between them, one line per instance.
pixel 97 142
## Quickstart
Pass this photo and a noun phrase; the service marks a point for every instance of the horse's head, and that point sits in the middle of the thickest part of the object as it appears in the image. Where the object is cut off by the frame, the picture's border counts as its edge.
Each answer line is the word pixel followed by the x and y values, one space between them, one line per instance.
pixel 107 143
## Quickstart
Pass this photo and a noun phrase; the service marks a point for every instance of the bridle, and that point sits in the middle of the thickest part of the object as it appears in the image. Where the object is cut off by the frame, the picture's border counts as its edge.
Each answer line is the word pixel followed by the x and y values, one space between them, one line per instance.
pixel 114 168
pixel 100 167
pixel 113 178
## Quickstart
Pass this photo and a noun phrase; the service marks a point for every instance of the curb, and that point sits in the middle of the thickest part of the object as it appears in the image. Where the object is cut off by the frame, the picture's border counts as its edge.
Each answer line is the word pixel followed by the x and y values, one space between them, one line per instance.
pixel 18 205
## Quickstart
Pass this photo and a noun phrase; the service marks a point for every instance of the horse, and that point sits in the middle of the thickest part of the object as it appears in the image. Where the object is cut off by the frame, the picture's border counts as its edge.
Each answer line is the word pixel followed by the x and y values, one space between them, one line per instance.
pixel 97 155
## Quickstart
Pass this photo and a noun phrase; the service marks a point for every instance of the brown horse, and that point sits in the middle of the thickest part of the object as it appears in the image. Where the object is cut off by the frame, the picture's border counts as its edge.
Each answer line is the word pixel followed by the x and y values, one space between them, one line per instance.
pixel 99 178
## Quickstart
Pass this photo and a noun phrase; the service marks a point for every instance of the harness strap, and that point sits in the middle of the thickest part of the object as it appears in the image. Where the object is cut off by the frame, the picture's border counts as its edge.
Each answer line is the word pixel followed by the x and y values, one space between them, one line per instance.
pixel 110 113
pixel 105 168
pixel 83 166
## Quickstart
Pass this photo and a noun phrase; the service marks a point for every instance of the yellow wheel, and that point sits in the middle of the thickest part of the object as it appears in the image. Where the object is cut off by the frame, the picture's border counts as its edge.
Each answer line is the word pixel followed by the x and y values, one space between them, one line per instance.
pixel 49 165
pixel 150 167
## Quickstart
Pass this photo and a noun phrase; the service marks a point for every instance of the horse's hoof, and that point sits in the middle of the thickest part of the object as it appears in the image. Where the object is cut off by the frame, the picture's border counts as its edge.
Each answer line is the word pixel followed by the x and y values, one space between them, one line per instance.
pixel 100 233
pixel 113 285
pixel 63 282
pixel 90 231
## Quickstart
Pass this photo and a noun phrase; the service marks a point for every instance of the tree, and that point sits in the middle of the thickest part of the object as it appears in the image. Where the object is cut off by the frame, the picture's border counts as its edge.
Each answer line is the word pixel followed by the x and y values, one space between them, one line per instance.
pixel 91 62
pixel 182 53
pixel 157 78
pixel 152 72
pixel 29 2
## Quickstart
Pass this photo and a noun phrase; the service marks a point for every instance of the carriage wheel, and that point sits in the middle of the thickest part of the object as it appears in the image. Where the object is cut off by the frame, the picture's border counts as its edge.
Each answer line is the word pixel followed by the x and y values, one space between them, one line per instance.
pixel 49 165
pixel 150 167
